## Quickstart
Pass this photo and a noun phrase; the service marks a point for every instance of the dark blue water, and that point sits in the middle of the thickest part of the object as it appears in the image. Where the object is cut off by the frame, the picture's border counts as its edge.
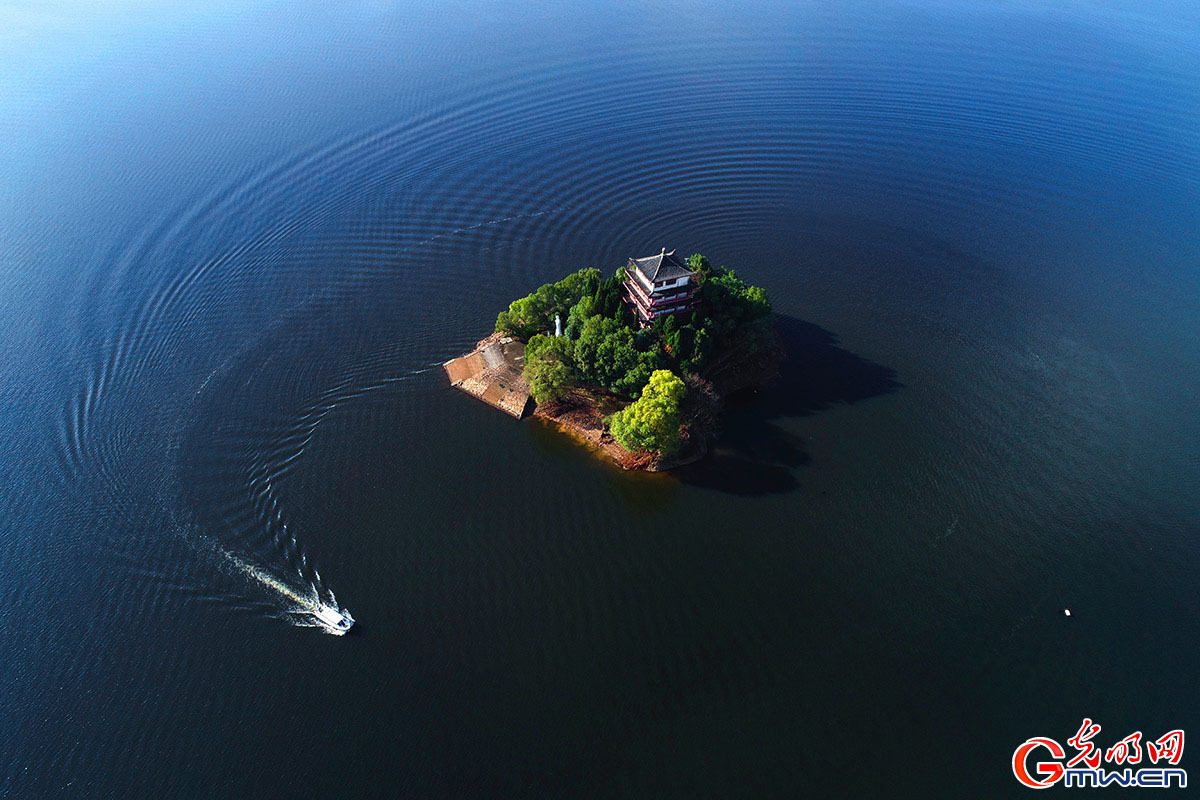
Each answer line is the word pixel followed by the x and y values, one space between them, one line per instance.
pixel 237 240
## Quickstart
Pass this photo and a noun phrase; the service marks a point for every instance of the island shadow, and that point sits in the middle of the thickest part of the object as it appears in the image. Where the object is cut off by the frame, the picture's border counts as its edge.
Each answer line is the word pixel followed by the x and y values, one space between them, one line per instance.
pixel 754 456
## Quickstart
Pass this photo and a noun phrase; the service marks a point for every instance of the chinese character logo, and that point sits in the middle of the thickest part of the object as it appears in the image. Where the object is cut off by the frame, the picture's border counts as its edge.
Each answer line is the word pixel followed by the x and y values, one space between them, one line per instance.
pixel 1083 769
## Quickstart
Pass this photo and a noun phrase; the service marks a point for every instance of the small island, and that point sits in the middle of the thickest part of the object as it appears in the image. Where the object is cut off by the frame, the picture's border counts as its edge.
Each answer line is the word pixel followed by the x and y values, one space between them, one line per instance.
pixel 636 365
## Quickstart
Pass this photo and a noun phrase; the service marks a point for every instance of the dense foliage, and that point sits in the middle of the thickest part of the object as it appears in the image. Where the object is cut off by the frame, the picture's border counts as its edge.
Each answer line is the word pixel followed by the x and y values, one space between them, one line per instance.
pixel 603 347
pixel 535 313
pixel 652 421
pixel 606 354
pixel 549 368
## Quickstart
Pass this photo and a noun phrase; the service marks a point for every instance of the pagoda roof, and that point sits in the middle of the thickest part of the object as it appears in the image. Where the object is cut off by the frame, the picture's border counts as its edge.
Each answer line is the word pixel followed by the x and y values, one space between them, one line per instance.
pixel 662 267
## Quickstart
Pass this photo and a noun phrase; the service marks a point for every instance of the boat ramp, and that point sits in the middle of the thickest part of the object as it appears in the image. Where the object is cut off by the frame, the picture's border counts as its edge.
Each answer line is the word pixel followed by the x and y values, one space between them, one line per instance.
pixel 493 373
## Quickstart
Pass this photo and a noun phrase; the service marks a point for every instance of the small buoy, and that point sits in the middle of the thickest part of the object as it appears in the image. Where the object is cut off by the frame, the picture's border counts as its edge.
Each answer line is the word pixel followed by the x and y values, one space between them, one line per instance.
pixel 1067 611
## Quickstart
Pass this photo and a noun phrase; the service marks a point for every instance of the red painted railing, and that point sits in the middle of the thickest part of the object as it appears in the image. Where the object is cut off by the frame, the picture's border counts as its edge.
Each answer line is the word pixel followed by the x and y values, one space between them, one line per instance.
pixel 635 288
pixel 649 312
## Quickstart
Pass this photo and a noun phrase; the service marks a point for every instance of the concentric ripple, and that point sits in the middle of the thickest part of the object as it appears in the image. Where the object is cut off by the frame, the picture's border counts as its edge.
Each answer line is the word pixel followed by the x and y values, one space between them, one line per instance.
pixel 238 249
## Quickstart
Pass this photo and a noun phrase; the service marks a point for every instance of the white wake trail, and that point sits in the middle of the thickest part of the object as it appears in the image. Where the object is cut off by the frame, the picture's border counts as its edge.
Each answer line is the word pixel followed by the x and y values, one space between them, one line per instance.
pixel 271 582
pixel 307 608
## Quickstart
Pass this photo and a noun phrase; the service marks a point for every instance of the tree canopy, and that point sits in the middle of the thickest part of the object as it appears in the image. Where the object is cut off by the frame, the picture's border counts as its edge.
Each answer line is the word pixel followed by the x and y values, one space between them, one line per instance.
pixel 535 313
pixel 730 304
pixel 604 355
pixel 549 368
pixel 604 350
pixel 652 421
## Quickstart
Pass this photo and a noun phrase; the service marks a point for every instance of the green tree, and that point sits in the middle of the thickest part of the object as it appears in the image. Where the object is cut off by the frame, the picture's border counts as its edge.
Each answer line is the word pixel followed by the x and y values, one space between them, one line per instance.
pixel 552 346
pixel 693 361
pixel 637 375
pixel 606 354
pixel 535 313
pixel 580 313
pixel 683 345
pixel 549 367
pixel 598 346
pixel 667 325
pixel 754 300
pixel 528 315
pixel 549 380
pixel 730 304
pixel 608 296
pixel 615 357
pixel 700 264
pixel 571 289
pixel 652 421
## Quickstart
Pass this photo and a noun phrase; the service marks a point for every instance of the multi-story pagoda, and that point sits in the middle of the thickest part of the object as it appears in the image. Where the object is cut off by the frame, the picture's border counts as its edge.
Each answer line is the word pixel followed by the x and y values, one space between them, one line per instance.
pixel 659 285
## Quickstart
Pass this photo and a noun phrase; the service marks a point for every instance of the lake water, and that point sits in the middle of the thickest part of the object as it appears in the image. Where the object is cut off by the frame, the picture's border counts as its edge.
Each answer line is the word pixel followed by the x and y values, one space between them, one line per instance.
pixel 237 241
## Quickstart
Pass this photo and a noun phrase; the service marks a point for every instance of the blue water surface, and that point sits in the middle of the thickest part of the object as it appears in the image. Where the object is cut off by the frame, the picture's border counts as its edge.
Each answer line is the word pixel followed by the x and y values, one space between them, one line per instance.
pixel 237 240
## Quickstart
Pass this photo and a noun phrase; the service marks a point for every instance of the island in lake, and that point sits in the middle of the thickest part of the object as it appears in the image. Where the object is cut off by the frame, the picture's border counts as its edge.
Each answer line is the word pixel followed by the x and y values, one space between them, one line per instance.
pixel 636 365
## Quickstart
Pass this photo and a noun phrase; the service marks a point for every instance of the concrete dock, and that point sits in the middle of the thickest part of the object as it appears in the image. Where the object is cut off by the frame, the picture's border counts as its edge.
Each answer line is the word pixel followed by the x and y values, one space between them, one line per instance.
pixel 493 373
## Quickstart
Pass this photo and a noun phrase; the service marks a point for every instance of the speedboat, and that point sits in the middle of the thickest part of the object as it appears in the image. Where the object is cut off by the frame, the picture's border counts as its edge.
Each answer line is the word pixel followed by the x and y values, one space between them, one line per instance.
pixel 333 619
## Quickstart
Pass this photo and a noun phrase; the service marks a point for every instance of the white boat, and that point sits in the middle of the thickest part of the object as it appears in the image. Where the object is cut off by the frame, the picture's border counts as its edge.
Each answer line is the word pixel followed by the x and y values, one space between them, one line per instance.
pixel 333 619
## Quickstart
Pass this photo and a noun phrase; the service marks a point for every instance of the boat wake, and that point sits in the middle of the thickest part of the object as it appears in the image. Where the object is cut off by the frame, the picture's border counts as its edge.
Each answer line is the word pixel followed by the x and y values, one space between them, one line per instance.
pixel 310 607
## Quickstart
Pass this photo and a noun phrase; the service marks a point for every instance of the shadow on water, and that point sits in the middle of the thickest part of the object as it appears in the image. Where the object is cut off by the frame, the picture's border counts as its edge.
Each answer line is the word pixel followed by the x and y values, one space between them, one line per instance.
pixel 754 456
